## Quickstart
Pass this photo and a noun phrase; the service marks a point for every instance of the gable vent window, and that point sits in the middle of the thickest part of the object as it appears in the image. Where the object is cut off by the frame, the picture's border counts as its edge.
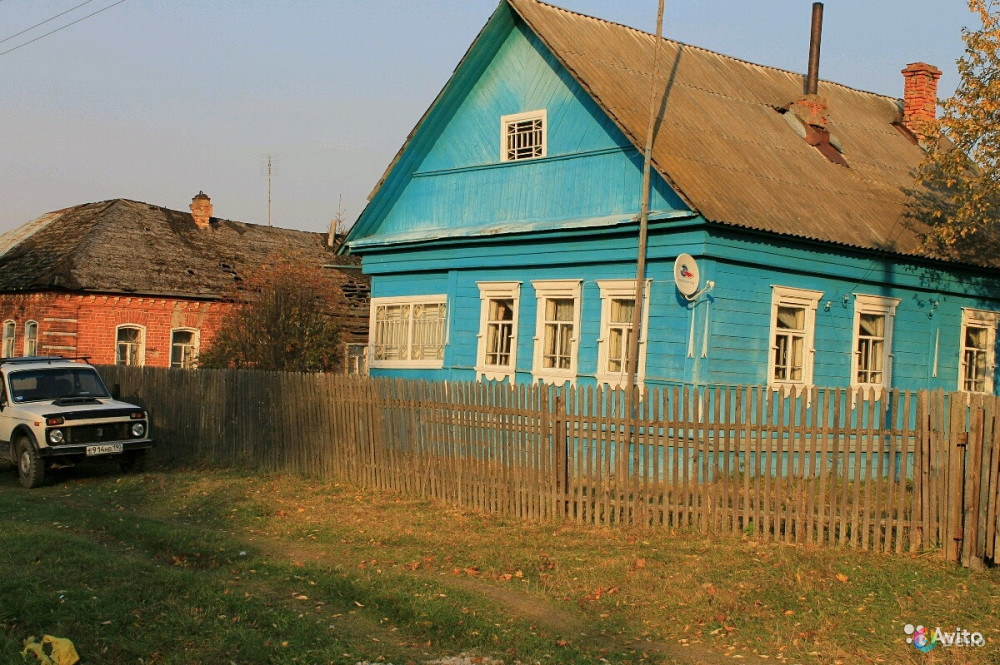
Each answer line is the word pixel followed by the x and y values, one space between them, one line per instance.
pixel 522 136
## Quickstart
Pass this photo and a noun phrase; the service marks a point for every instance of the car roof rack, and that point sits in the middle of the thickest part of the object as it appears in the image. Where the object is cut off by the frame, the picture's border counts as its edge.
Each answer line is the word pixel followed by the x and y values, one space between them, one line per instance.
pixel 20 360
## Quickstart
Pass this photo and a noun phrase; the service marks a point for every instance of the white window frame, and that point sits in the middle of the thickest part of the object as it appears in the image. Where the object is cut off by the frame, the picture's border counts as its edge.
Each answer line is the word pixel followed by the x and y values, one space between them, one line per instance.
pixel 882 306
pixel 546 289
pixel 505 121
pixel 29 325
pixel 980 318
pixel 195 342
pixel 404 363
pixel 787 296
pixel 142 344
pixel 618 289
pixel 9 337
pixel 489 291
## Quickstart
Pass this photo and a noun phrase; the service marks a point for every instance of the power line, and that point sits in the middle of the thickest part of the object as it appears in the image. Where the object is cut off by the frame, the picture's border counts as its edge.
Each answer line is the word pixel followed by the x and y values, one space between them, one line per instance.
pixel 7 39
pixel 52 32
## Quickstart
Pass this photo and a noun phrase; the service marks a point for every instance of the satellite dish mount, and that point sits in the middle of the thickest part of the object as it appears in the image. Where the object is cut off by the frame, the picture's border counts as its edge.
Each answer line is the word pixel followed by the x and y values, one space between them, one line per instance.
pixel 687 278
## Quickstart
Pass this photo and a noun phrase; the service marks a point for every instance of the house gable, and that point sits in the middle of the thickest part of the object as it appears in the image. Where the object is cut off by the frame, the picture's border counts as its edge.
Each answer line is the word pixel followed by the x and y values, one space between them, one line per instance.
pixel 451 180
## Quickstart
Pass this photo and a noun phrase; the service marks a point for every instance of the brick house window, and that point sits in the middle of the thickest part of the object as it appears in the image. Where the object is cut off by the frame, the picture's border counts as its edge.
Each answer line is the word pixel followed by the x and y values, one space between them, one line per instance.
pixel 184 348
pixel 9 328
pixel 130 346
pixel 523 136
pixel 31 338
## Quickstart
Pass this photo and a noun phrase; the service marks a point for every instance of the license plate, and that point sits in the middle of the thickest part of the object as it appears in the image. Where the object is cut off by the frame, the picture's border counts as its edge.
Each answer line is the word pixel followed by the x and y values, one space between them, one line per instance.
pixel 104 450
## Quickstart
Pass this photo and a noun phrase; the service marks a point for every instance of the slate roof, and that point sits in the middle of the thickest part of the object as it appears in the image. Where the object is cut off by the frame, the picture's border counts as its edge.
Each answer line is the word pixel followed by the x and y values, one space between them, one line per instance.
pixel 726 149
pixel 128 247
pixel 722 143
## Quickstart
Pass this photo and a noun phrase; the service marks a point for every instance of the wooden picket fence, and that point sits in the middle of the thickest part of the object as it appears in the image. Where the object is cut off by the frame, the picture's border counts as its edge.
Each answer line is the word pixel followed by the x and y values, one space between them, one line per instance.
pixel 895 472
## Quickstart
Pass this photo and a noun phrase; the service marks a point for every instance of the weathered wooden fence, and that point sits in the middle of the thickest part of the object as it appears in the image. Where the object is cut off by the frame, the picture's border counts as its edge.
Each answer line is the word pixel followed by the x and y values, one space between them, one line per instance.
pixel 901 472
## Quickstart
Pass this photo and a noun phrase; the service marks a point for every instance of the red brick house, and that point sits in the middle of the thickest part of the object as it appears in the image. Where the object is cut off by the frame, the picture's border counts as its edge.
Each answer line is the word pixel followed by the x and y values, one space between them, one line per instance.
pixel 126 282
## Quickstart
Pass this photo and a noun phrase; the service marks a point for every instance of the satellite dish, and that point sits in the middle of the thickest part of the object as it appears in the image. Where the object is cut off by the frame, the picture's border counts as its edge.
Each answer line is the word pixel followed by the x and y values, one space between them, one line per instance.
pixel 686 275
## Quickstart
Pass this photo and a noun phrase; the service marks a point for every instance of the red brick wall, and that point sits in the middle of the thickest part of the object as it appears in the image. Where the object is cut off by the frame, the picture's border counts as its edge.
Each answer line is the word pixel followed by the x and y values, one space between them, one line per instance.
pixel 86 325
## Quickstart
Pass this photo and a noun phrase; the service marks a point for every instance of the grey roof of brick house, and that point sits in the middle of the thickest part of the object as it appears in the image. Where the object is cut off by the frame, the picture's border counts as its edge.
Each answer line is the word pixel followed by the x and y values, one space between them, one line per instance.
pixel 128 247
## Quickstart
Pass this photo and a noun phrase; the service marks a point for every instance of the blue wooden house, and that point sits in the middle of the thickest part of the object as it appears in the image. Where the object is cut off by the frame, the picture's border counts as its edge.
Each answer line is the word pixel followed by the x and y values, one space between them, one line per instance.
pixel 502 239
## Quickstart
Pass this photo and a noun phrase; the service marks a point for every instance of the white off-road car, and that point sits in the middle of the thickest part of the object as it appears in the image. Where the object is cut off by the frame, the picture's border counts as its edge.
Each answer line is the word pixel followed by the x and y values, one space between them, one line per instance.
pixel 56 412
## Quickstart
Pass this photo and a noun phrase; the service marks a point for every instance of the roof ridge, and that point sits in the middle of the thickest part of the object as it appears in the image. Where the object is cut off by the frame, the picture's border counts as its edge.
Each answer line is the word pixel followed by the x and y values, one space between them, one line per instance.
pixel 734 58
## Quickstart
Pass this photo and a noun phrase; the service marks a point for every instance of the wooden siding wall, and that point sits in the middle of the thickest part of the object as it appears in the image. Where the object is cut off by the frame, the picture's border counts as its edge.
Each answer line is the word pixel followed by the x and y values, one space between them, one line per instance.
pixel 590 169
pixel 734 315
pixel 909 472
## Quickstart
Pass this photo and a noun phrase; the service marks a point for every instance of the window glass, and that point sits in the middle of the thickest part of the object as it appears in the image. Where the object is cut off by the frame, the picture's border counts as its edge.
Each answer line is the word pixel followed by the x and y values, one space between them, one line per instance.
pixel 31 338
pixel 183 349
pixel 8 339
pixel 130 346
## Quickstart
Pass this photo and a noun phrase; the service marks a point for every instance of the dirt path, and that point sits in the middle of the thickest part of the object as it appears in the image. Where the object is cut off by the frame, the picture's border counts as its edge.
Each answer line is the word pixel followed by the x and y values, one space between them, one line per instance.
pixel 538 612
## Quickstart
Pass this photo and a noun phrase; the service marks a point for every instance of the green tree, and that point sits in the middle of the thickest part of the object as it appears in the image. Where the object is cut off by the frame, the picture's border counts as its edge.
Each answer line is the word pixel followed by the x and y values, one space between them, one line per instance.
pixel 285 318
pixel 960 200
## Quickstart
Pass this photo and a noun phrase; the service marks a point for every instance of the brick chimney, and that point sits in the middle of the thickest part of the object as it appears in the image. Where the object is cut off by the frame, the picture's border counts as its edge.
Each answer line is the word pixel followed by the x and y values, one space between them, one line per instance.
pixel 920 97
pixel 811 110
pixel 201 210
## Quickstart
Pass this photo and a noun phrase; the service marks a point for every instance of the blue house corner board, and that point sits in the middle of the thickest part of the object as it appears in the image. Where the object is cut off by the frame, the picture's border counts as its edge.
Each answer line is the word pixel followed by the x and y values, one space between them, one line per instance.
pixel 502 240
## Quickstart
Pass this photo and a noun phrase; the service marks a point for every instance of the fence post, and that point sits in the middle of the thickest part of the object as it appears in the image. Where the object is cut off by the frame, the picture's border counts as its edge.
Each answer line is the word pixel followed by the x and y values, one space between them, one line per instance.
pixel 957 441
pixel 973 466
pixel 560 447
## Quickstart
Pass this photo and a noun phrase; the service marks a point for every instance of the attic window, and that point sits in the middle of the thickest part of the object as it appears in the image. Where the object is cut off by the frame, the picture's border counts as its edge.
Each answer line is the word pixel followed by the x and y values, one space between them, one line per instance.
pixel 522 136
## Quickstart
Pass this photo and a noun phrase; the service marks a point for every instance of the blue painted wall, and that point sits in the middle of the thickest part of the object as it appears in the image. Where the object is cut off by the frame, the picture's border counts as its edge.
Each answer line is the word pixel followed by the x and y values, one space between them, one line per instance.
pixel 744 267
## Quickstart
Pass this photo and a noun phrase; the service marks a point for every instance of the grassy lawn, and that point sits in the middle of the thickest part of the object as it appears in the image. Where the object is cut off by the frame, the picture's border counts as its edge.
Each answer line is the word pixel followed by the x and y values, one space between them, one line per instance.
pixel 219 567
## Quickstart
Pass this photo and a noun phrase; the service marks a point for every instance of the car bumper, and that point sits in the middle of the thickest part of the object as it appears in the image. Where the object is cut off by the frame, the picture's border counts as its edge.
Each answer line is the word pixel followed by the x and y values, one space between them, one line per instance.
pixel 80 449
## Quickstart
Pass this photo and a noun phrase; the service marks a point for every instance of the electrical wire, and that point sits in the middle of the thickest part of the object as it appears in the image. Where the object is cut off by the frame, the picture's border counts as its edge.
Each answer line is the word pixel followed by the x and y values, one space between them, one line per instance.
pixel 52 32
pixel 7 39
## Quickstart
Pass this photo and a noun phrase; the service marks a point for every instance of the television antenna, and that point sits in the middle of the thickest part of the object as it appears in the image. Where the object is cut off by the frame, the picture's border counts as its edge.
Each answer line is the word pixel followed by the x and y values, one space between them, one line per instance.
pixel 267 168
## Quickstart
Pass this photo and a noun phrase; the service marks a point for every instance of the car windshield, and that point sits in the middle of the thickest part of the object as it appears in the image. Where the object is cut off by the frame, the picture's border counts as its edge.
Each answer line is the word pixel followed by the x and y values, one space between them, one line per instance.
pixel 34 385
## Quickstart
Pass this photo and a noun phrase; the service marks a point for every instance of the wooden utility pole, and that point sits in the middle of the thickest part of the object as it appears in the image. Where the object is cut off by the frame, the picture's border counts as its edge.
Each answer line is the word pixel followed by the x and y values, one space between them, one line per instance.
pixel 640 272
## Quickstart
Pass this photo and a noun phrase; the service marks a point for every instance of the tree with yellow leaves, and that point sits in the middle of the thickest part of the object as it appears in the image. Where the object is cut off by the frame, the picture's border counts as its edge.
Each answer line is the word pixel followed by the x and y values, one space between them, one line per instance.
pixel 960 200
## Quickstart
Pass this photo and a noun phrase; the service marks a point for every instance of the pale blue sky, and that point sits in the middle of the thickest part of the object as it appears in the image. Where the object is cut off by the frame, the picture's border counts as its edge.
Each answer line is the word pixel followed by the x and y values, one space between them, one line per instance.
pixel 154 100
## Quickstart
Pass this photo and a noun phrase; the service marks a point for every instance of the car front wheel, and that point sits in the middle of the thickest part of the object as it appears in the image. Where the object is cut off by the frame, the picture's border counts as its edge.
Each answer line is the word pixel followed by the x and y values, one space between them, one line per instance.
pixel 30 469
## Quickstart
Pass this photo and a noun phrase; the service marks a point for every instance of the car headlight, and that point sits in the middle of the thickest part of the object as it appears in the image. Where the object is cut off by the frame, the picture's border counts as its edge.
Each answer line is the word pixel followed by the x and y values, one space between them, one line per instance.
pixel 55 436
pixel 138 429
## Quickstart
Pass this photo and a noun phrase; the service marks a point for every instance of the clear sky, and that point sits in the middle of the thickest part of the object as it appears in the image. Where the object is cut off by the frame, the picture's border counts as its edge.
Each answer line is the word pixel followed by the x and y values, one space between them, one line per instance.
pixel 154 100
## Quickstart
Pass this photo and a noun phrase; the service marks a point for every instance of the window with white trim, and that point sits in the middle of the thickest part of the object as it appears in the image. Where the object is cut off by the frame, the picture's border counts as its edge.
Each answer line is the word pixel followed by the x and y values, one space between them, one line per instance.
pixel 496 355
pixel 130 346
pixel 522 136
pixel 408 331
pixel 871 362
pixel 184 348
pixel 557 329
pixel 9 330
pixel 31 338
pixel 617 319
pixel 793 332
pixel 978 360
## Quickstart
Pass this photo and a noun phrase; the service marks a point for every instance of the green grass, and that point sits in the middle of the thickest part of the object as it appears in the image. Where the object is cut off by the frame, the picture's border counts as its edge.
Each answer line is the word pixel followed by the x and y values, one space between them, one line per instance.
pixel 215 567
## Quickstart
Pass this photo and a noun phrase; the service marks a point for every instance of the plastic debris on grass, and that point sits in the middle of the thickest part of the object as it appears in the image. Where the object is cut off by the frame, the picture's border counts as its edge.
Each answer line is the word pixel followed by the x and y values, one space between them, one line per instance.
pixel 61 650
